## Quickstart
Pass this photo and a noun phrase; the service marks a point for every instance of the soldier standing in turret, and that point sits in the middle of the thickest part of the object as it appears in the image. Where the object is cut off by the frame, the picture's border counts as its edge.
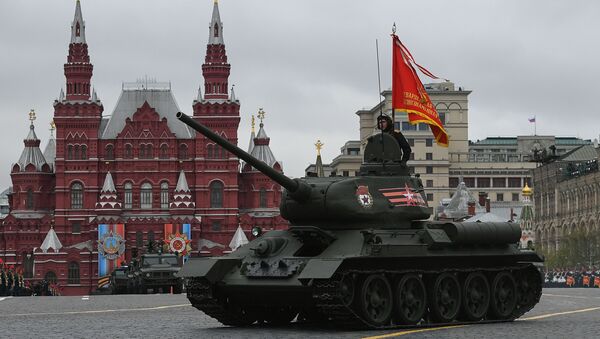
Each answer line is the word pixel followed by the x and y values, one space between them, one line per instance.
pixel 384 123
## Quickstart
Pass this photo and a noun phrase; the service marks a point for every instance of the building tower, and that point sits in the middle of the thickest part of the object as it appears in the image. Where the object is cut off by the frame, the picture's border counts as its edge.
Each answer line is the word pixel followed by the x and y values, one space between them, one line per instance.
pixel 526 222
pixel 76 143
pixel 216 170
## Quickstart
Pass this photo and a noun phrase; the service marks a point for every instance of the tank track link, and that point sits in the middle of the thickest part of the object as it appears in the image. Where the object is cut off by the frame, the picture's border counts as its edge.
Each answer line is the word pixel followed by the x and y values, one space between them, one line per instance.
pixel 200 295
pixel 328 299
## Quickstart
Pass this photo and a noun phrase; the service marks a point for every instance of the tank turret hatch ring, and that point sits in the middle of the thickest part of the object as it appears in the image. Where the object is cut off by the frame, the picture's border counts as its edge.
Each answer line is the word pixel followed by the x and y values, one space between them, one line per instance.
pixel 382 148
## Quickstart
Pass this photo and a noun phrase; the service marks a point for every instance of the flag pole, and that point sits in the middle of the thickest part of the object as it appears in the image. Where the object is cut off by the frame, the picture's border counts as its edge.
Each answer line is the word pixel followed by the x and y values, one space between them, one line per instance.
pixel 534 125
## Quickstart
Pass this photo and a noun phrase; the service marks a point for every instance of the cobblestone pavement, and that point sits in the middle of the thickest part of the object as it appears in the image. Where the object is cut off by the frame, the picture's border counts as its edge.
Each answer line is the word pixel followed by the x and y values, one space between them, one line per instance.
pixel 561 313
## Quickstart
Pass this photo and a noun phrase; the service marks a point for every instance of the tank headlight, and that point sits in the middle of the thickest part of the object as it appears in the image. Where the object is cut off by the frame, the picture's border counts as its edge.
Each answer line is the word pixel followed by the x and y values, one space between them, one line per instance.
pixel 147 275
pixel 256 231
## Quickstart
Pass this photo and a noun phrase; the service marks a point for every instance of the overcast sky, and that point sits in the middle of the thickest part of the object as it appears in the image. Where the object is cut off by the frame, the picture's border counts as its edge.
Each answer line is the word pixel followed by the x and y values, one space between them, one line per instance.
pixel 311 64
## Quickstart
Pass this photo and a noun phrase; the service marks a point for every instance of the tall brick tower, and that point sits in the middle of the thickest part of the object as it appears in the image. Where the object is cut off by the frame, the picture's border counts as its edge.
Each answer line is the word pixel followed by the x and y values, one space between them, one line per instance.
pixel 77 117
pixel 216 170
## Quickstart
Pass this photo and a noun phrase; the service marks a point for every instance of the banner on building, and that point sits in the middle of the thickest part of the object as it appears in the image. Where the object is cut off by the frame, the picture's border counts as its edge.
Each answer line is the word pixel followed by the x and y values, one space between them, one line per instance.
pixel 178 239
pixel 111 247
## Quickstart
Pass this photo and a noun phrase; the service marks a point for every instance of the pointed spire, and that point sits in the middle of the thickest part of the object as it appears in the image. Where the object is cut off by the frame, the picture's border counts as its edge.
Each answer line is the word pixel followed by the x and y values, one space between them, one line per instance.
pixel 31 153
pixel 78 26
pixel 94 95
pixel 252 136
pixel 199 96
pixel 182 197
pixel 232 96
pixel 51 242
pixel 261 149
pixel 182 185
pixel 61 97
pixel 319 163
pixel 215 35
pixel 50 150
pixel 108 202
pixel 239 239
pixel 109 185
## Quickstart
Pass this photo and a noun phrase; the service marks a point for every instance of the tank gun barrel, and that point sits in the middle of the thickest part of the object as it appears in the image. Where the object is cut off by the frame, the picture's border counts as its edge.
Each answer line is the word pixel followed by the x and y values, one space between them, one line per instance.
pixel 297 189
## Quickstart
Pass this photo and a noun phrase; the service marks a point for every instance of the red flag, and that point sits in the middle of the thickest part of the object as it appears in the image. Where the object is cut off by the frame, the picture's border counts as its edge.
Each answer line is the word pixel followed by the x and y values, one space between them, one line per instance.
pixel 409 95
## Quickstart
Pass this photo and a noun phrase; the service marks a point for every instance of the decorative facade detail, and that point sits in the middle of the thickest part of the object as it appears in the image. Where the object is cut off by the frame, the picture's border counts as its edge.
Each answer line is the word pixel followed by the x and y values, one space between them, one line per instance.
pixel 108 184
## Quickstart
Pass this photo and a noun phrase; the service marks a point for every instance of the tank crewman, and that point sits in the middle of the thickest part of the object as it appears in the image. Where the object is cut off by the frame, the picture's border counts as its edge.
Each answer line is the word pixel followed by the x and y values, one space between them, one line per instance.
pixel 384 123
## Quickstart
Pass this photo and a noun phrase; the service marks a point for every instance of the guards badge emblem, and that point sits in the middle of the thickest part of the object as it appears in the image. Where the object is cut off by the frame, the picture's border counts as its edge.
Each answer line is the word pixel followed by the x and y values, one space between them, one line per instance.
pixel 365 199
pixel 111 246
pixel 179 243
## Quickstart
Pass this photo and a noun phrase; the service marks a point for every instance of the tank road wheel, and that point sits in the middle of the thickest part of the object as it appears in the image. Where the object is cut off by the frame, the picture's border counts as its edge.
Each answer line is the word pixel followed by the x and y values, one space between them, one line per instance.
pixel 347 290
pixel 376 300
pixel 504 295
pixel 476 296
pixel 529 285
pixel 445 299
pixel 411 300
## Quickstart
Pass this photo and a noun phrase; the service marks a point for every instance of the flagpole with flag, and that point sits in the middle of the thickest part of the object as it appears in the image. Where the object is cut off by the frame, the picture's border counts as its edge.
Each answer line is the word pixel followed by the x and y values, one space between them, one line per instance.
pixel 408 93
pixel 534 125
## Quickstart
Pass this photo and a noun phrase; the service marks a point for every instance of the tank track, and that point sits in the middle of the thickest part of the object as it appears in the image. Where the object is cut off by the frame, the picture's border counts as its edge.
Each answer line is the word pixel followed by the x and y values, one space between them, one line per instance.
pixel 327 297
pixel 328 300
pixel 200 294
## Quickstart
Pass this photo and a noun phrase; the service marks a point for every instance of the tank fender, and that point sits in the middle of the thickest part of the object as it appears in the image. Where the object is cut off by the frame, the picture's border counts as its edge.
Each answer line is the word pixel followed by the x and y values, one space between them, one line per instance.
pixel 320 268
pixel 213 269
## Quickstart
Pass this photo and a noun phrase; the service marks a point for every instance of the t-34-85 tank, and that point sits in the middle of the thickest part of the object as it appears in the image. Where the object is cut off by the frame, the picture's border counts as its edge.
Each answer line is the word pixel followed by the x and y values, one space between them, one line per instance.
pixel 359 252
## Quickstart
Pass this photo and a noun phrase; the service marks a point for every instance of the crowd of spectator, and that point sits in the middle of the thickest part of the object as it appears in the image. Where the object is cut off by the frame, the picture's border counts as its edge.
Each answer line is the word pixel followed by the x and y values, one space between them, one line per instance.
pixel 585 277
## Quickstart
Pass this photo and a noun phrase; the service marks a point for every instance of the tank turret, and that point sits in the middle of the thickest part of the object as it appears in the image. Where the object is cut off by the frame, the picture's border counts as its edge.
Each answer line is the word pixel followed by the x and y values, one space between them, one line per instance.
pixel 382 194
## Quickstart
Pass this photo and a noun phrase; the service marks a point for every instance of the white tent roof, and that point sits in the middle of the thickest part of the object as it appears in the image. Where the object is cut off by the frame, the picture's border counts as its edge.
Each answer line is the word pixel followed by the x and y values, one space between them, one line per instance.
pixel 51 241
pixel 239 239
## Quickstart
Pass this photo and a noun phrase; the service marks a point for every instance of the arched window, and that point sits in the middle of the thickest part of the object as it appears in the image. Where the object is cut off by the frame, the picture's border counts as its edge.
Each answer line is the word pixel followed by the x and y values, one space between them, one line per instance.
pixel 216 30
pixel 69 152
pixel 128 188
pixel 182 152
pixel 262 198
pixel 76 155
pixel 149 152
pixel 146 196
pixel 110 153
pixel 128 151
pixel 50 277
pixel 216 194
pixel 164 195
pixel 83 152
pixel 29 199
pixel 164 151
pixel 76 196
pixel 209 150
pixel 73 277
pixel 28 265
pixel 142 151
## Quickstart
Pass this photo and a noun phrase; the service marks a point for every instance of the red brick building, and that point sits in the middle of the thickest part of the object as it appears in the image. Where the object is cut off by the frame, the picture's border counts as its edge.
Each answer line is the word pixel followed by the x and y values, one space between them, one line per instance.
pixel 138 172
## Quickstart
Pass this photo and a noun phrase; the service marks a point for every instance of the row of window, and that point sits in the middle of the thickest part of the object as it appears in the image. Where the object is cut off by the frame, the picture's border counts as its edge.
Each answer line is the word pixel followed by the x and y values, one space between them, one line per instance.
pixel 215 188
pixel 145 151
pixel 428 142
pixel 488 182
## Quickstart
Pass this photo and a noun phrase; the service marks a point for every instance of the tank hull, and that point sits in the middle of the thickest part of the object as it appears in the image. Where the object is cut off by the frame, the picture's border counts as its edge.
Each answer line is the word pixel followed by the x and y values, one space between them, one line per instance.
pixel 366 279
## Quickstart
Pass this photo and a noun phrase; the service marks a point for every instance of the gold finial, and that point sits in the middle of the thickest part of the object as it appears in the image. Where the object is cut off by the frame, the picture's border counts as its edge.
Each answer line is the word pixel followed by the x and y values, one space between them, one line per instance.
pixel 32 115
pixel 216 2
pixel 52 127
pixel 252 123
pixel 319 145
pixel 526 190
pixel 261 114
